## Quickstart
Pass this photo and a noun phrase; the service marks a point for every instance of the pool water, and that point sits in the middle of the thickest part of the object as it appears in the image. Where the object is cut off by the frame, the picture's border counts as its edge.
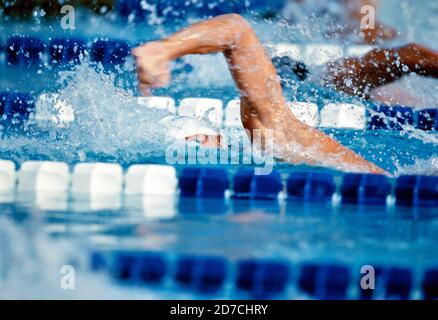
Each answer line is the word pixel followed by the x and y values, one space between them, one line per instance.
pixel 180 238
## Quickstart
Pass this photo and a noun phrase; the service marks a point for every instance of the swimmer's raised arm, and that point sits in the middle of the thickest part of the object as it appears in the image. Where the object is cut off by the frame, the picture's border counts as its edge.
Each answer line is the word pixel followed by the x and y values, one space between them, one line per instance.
pixel 263 105
pixel 360 75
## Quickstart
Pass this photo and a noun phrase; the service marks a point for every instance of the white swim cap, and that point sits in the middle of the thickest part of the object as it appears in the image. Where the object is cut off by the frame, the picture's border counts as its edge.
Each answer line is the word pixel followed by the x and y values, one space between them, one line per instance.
pixel 183 127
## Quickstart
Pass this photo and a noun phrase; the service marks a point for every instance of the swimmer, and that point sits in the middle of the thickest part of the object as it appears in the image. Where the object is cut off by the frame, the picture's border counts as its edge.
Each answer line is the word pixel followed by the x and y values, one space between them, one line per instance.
pixel 263 105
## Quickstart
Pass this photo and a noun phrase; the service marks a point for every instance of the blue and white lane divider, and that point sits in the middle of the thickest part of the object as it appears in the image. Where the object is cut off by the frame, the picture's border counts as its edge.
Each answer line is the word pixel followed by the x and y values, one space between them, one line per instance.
pixel 107 179
pixel 261 278
pixel 15 109
pixel 343 115
pixel 33 52
pixel 30 51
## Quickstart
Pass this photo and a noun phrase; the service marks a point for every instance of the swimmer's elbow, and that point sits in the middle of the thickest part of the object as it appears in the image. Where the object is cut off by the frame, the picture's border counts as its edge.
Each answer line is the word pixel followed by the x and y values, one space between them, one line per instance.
pixel 237 20
pixel 234 17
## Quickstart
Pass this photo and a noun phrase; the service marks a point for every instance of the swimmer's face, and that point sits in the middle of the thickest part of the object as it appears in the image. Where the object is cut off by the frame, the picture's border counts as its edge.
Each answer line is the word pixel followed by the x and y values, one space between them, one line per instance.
pixel 208 141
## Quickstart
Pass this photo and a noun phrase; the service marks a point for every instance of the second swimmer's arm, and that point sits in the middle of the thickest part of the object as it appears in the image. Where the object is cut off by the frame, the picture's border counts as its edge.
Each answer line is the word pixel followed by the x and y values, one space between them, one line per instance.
pixel 263 106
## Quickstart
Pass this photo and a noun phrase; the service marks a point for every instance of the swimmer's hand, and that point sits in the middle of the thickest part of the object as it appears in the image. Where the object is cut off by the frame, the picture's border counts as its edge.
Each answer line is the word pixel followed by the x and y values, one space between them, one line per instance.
pixel 152 66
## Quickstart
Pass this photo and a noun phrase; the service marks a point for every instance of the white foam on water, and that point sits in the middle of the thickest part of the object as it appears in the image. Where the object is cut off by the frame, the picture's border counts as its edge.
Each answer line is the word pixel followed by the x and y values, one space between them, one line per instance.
pixel 428 167
pixel 108 118
pixel 424 136
pixel 107 121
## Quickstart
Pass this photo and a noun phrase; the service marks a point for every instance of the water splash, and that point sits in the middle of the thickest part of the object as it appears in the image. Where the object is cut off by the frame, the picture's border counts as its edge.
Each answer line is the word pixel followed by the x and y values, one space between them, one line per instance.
pixel 208 71
pixel 426 137
pixel 108 118
pixel 108 123
pixel 428 167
